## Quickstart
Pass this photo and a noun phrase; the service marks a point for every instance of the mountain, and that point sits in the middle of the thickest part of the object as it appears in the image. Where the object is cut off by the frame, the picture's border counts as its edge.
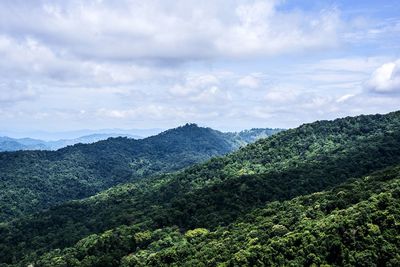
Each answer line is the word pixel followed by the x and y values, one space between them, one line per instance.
pixel 86 139
pixel 131 223
pixel 67 135
pixel 35 180
pixel 14 144
pixel 8 144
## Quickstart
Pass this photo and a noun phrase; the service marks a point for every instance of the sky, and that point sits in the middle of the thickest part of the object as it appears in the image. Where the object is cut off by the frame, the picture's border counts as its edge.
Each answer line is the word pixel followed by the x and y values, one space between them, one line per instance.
pixel 229 65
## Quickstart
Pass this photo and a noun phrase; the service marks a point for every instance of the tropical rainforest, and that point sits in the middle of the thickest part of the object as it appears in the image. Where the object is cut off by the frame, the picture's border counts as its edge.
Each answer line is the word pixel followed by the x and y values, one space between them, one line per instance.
pixel 35 180
pixel 323 194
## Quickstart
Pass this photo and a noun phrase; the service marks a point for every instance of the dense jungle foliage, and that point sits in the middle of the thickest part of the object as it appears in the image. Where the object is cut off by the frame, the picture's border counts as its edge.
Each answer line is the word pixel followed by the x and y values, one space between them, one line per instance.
pixel 355 224
pixel 34 180
pixel 186 206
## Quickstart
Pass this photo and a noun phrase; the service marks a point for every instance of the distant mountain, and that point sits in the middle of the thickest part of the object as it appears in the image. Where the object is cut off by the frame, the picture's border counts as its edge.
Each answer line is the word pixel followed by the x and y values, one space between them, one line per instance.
pixel 87 139
pixel 15 144
pixel 67 135
pixel 35 180
pixel 234 210
pixel 11 144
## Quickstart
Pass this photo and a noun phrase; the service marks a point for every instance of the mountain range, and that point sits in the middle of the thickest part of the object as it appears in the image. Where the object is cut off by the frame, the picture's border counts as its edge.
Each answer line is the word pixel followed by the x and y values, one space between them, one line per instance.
pixel 73 134
pixel 15 144
pixel 35 180
pixel 322 194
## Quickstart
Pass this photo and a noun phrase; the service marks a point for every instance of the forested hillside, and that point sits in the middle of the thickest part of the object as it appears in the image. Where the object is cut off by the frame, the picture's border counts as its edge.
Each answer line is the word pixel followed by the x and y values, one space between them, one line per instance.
pixel 35 180
pixel 252 135
pixel 215 194
pixel 355 224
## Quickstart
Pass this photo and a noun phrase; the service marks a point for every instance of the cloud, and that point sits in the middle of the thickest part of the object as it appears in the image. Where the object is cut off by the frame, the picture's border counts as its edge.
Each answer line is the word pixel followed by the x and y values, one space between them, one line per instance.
pixel 25 56
pixel 385 79
pixel 193 85
pixel 281 96
pixel 344 98
pixel 262 30
pixel 350 64
pixel 249 81
pixel 253 62
pixel 369 29
pixel 212 95
pixel 200 89
pixel 34 60
pixel 16 91
pixel 154 112
pixel 169 30
pixel 297 100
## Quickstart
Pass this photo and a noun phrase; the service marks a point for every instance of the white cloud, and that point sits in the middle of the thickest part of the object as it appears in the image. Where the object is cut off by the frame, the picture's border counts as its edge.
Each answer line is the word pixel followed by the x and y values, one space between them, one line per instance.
pixel 155 112
pixel 369 29
pixel 16 91
pixel 385 79
pixel 249 81
pixel 184 60
pixel 348 64
pixel 344 98
pixel 281 96
pixel 212 95
pixel 200 89
pixel 32 59
pixel 151 112
pixel 263 30
pixel 170 30
pixel 193 85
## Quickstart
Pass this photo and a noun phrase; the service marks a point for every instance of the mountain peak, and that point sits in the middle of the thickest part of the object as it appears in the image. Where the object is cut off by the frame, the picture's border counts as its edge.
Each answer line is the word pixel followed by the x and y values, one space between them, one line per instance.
pixel 184 128
pixel 190 125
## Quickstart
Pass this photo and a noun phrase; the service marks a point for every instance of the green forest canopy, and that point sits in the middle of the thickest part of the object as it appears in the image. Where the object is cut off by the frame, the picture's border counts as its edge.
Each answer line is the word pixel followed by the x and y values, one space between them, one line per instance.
pixel 215 194
pixel 34 180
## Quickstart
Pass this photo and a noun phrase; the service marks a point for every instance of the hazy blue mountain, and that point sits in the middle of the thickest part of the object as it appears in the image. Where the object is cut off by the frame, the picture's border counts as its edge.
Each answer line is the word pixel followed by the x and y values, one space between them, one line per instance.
pixel 8 144
pixel 15 144
pixel 54 136
pixel 87 139
pixel 12 144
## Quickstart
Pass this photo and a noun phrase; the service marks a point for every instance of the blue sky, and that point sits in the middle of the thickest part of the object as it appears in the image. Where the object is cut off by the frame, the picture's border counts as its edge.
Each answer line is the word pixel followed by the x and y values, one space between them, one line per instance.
pixel 230 65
